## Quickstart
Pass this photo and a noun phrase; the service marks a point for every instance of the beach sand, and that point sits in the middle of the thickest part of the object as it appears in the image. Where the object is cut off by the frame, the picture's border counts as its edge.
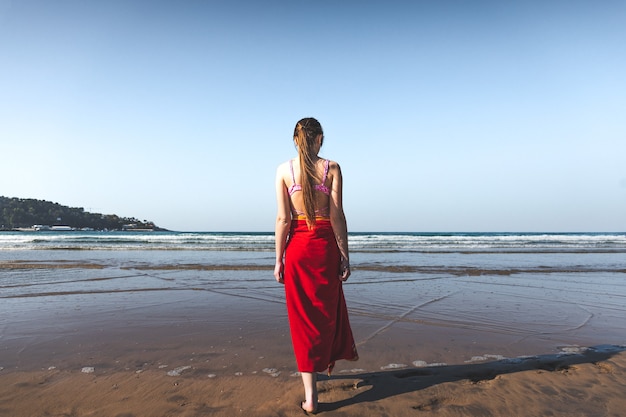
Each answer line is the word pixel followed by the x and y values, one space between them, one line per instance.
pixel 589 385
pixel 190 352
pixel 586 384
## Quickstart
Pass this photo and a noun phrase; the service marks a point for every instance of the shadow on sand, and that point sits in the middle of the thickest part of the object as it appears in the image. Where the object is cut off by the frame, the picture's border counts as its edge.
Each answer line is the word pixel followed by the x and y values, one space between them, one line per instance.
pixel 387 384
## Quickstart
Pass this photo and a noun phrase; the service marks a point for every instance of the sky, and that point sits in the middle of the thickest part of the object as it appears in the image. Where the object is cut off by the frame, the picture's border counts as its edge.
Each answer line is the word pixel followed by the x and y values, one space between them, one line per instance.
pixel 445 116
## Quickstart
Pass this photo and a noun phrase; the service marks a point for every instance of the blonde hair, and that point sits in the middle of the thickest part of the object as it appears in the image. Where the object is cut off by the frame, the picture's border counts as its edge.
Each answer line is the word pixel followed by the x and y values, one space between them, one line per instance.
pixel 304 136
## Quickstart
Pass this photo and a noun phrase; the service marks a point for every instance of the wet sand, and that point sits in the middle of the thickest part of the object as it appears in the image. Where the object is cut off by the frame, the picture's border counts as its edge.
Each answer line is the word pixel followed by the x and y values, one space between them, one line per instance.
pixel 147 347
pixel 587 385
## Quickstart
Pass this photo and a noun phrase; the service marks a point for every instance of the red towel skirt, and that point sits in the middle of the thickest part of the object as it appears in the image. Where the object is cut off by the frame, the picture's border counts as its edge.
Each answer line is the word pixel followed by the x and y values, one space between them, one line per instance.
pixel 318 317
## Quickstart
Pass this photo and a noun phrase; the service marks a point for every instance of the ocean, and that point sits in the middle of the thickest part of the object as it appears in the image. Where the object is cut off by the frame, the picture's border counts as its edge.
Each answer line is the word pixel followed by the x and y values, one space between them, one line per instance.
pixel 359 242
pixel 469 294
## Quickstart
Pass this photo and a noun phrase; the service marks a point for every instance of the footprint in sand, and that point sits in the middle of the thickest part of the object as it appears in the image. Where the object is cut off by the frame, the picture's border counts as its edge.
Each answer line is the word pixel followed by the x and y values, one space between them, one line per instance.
pixel 604 368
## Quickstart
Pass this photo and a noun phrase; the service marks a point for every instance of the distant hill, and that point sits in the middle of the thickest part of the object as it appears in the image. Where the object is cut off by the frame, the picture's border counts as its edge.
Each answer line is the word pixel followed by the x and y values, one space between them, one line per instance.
pixel 19 213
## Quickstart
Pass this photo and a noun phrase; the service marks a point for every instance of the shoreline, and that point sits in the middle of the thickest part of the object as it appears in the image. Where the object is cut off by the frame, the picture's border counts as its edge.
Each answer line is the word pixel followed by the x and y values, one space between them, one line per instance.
pixel 196 356
pixel 121 336
pixel 588 383
pixel 27 264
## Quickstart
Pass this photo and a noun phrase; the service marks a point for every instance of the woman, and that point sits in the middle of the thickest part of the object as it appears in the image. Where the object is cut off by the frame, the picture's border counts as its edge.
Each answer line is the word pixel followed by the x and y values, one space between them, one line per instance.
pixel 312 258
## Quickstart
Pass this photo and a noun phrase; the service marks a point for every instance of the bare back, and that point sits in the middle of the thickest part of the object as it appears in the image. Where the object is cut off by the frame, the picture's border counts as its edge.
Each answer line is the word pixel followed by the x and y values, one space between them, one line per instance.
pixel 322 188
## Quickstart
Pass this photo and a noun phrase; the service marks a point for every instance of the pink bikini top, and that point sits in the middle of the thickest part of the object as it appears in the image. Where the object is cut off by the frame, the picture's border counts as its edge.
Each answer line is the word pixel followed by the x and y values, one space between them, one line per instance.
pixel 318 187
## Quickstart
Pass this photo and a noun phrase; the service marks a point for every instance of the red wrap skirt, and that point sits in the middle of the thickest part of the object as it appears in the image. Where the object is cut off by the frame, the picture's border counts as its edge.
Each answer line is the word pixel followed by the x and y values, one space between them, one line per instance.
pixel 318 317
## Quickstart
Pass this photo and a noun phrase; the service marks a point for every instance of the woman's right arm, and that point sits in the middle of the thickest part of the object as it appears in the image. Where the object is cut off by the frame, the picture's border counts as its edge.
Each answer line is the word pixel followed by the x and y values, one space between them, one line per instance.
pixel 283 221
pixel 338 220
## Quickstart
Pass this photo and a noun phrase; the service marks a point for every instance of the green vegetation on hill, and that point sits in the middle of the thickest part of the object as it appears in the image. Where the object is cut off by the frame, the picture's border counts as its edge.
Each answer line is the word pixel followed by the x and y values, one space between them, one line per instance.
pixel 25 212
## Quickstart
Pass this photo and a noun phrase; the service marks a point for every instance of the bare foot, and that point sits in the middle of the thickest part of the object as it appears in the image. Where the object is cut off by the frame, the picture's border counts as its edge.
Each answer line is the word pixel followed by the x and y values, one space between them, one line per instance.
pixel 309 408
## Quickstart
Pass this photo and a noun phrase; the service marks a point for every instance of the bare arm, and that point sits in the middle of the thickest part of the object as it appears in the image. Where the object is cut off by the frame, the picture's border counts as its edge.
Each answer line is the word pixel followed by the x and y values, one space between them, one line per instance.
pixel 283 220
pixel 338 220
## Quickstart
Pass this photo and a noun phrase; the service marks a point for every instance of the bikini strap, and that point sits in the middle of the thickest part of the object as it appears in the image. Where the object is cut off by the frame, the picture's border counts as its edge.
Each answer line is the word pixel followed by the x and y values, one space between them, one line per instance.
pixel 325 171
pixel 293 177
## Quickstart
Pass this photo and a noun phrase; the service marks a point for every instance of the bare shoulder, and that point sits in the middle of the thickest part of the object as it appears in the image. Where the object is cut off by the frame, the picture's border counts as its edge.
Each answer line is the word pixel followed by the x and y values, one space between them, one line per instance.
pixel 333 167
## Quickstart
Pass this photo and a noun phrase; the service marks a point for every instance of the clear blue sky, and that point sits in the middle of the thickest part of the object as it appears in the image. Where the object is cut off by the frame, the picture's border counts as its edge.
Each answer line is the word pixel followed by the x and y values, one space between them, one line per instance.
pixel 444 115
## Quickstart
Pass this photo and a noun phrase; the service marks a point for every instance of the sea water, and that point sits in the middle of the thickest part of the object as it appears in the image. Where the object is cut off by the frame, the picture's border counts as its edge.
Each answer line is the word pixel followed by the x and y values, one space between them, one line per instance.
pixel 559 289
pixel 359 242
pixel 59 261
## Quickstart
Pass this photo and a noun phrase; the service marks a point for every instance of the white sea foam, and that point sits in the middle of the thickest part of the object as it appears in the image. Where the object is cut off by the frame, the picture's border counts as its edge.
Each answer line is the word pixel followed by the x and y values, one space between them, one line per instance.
pixel 88 370
pixel 486 358
pixel 178 371
pixel 394 366
pixel 572 350
pixel 424 364
pixel 273 372
pixel 265 241
pixel 487 241
pixel 352 371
